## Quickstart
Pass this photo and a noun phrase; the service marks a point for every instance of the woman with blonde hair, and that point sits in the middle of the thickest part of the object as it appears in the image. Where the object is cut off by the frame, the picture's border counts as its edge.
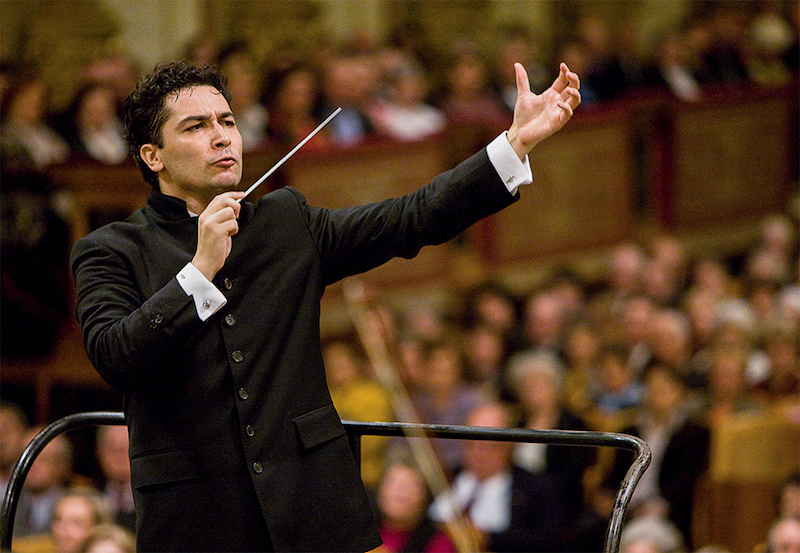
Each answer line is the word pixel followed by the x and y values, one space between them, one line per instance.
pixel 76 514
pixel 109 538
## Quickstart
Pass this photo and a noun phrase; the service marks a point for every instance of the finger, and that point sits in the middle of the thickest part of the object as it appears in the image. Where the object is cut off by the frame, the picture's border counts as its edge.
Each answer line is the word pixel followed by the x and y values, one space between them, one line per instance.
pixel 566 108
pixel 232 227
pixel 236 206
pixel 572 77
pixel 221 216
pixel 572 96
pixel 562 81
pixel 228 199
pixel 227 227
pixel 523 84
pixel 235 194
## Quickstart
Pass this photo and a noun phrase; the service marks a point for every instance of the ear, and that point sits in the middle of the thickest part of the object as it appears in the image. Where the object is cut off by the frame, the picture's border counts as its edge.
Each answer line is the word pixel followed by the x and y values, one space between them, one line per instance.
pixel 151 155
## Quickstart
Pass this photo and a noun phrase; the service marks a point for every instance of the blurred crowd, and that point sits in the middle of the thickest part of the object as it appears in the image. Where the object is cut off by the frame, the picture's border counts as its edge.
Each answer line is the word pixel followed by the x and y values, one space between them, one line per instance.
pixel 665 345
pixel 400 88
pixel 61 510
pixel 405 88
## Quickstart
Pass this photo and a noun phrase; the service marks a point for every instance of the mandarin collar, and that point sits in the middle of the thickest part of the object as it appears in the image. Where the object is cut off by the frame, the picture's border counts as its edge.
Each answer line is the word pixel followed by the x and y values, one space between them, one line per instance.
pixel 174 209
pixel 169 207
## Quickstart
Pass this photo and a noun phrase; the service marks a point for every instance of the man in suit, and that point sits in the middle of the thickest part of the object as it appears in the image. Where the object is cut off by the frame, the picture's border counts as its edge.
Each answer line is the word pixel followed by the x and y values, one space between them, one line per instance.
pixel 204 311
pixel 509 508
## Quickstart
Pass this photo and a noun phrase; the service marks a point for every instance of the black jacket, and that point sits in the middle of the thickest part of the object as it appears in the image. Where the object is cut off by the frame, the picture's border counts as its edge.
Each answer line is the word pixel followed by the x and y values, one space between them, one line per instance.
pixel 234 439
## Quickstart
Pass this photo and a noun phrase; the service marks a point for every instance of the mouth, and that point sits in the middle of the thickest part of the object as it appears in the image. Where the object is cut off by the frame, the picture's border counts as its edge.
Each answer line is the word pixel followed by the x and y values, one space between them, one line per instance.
pixel 227 161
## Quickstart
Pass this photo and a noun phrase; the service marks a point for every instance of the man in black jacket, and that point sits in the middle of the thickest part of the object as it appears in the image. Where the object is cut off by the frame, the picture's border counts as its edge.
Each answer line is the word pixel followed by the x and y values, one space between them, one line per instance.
pixel 204 310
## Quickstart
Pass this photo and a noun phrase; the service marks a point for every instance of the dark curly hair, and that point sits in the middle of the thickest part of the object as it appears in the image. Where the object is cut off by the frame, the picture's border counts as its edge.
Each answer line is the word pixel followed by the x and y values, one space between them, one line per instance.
pixel 145 107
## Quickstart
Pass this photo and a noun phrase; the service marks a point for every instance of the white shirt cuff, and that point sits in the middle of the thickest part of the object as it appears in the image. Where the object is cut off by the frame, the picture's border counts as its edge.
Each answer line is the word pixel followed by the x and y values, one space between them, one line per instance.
pixel 207 297
pixel 506 162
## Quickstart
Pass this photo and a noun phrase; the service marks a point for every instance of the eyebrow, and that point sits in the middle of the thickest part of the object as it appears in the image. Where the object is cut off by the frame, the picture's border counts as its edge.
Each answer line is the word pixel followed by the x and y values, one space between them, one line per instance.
pixel 196 118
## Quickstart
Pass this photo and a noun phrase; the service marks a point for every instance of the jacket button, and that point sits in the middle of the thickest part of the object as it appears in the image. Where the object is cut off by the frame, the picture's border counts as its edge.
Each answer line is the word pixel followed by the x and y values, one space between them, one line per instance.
pixel 230 320
pixel 157 320
pixel 250 430
pixel 243 393
pixel 257 468
pixel 237 357
pixel 227 283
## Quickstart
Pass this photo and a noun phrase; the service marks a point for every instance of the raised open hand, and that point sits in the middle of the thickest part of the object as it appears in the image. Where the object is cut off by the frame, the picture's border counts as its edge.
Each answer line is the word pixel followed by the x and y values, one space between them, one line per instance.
pixel 538 116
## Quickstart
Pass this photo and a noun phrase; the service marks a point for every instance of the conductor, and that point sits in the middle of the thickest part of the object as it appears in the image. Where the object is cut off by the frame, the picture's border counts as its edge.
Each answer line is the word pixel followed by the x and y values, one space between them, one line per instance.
pixel 204 311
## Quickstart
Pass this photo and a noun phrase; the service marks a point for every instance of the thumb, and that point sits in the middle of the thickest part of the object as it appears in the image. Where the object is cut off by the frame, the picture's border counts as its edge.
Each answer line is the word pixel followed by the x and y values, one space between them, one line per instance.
pixel 523 84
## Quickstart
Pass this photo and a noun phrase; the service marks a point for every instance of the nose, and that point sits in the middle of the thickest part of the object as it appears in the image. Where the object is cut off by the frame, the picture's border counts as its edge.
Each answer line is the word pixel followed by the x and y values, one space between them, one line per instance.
pixel 220 136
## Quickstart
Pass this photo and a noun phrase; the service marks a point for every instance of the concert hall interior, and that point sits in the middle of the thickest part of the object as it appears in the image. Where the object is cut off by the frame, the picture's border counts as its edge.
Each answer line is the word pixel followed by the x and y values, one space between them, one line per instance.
pixel 646 282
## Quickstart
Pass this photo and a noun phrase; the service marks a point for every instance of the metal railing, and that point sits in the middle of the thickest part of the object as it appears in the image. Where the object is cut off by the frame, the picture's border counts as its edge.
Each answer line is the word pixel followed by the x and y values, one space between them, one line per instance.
pixel 355 430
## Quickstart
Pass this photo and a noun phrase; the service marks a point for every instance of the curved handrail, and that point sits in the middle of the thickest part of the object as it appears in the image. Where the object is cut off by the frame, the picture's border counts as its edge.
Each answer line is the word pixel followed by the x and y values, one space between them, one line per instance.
pixel 358 429
pixel 638 446
pixel 29 454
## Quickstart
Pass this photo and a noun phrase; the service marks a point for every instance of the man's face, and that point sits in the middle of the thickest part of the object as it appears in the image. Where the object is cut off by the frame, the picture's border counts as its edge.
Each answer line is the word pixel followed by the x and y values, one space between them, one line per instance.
pixel 201 155
pixel 485 459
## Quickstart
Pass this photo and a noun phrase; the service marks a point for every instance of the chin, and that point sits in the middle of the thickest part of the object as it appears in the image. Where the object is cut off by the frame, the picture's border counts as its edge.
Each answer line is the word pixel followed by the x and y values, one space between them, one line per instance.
pixel 227 185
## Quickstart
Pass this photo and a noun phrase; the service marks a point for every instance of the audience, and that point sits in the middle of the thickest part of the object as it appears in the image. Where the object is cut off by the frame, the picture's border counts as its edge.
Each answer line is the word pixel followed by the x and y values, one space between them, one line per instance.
pixel 679 444
pixel 789 497
pixel 92 126
pixel 657 342
pixel 445 397
pixel 358 396
pixel 672 69
pixel 33 238
pixel 538 380
pixel 467 98
pixel 510 508
pixel 47 481
pixel 726 56
pixel 544 322
pixel 245 86
pixel 782 385
pixel 29 142
pixel 784 536
pixel 75 515
pixel 292 96
pixel 727 392
pixel 403 114
pixel 13 432
pixel 115 483
pixel 109 538
pixel 485 351
pixel 770 36
pixel 581 347
pixel 650 535
pixel 350 82
pixel 619 391
pixel 517 43
pixel 403 499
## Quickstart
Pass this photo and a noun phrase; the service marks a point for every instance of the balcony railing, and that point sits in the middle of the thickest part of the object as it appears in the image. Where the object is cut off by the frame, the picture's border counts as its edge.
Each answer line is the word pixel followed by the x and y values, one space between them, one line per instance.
pixel 355 430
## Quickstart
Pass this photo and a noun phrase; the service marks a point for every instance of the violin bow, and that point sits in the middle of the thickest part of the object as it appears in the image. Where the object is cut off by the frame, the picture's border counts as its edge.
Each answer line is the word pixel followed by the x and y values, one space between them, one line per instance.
pixel 374 335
